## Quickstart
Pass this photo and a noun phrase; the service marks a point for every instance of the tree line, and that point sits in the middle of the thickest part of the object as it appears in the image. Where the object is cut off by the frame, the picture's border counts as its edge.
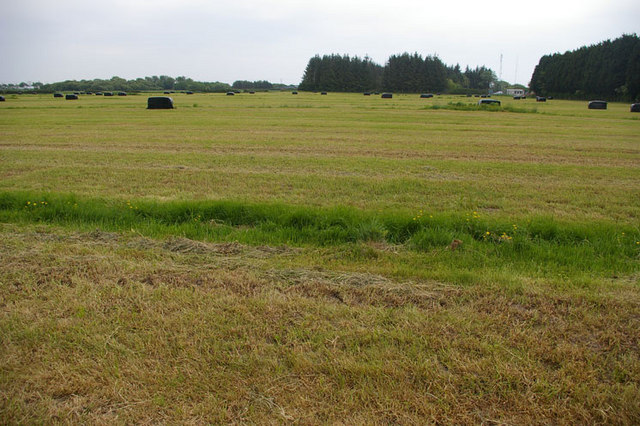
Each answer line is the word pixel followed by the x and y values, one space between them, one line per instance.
pixel 145 84
pixel 608 70
pixel 410 73
pixel 252 85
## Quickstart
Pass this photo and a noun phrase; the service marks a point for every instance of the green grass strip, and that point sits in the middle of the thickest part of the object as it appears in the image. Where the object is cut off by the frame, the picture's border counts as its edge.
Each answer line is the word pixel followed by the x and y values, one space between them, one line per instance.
pixel 598 246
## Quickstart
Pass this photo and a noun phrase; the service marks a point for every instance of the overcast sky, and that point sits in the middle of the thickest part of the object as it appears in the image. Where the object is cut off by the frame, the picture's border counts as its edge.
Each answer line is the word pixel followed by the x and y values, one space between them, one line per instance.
pixel 54 40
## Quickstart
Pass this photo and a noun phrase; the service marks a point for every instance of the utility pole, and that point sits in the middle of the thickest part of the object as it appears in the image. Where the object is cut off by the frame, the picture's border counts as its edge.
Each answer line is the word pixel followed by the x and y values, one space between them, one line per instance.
pixel 500 75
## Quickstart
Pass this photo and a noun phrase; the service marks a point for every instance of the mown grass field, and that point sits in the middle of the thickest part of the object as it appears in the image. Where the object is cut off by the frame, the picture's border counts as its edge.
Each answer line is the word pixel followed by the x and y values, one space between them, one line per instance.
pixel 318 259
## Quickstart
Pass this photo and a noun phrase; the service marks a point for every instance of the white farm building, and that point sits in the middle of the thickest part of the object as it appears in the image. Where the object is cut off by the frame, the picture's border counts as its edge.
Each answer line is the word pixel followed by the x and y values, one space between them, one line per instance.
pixel 515 92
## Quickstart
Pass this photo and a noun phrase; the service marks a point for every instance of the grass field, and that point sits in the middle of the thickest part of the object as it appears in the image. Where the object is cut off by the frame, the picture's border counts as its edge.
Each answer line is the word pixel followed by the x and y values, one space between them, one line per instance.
pixel 318 259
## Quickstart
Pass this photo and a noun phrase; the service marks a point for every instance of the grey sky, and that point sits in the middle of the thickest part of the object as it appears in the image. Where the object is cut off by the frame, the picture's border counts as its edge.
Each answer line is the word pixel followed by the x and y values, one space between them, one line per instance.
pixel 54 40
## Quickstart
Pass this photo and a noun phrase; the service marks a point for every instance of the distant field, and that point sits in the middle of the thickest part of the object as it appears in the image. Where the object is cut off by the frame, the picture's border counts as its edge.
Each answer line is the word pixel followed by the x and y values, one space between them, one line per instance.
pixel 339 149
pixel 305 258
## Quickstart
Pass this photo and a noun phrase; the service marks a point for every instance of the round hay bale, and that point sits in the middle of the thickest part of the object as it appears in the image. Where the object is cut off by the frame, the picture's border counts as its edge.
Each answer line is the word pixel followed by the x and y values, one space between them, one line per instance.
pixel 122 93
pixel 597 105
pixel 2 99
pixel 635 107
pixel 189 92
pixel 367 93
pixel 517 98
pixel 426 95
pixel 252 92
pixel 323 93
pixel 166 92
pixel 541 99
pixel 71 96
pixel 387 95
pixel 488 102
pixel 58 95
pixel 98 93
pixel 231 94
pixel 159 102
pixel 108 93
pixel 294 93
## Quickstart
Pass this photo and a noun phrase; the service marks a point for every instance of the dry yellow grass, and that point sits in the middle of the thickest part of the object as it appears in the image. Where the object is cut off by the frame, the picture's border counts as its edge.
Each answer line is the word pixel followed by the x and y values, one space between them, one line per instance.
pixel 115 327
pixel 107 327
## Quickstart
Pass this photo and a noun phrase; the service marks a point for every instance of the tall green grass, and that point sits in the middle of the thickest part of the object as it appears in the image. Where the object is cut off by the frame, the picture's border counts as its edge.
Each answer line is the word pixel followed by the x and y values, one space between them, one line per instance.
pixel 593 246
pixel 460 106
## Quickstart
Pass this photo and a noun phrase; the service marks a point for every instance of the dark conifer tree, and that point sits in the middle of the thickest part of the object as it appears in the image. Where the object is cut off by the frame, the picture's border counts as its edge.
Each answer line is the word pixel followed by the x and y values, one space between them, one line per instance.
pixel 609 70
pixel 404 73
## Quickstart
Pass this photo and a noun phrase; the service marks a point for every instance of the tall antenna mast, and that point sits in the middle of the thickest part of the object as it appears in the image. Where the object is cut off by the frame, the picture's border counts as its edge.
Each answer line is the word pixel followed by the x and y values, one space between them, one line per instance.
pixel 515 79
pixel 500 76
